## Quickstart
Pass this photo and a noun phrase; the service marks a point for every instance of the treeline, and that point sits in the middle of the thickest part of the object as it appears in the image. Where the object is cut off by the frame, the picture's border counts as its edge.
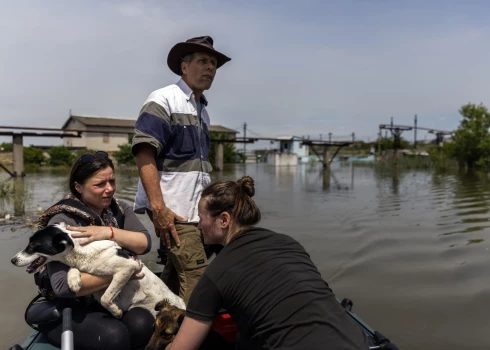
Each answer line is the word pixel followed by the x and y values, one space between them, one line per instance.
pixel 471 141
pixel 230 155
pixel 469 145
pixel 63 156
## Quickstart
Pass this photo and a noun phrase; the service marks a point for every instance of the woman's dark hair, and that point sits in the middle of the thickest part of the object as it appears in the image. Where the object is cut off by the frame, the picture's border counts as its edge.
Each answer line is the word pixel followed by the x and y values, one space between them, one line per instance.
pixel 235 198
pixel 82 170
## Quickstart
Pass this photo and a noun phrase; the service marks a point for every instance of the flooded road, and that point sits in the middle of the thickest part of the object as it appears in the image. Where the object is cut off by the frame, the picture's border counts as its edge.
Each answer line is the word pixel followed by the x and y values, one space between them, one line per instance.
pixel 410 248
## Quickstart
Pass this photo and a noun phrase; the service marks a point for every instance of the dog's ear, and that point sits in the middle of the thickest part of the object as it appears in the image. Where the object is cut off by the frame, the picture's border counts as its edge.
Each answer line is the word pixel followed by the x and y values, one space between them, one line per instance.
pixel 161 304
pixel 62 239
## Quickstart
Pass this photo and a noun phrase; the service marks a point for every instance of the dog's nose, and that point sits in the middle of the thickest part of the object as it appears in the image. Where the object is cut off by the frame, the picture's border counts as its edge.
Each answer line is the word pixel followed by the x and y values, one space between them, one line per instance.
pixel 14 260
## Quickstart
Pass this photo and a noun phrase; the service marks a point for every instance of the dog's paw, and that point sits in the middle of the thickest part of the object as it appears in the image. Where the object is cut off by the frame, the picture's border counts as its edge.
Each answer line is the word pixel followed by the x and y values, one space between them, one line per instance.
pixel 74 280
pixel 113 309
pixel 117 313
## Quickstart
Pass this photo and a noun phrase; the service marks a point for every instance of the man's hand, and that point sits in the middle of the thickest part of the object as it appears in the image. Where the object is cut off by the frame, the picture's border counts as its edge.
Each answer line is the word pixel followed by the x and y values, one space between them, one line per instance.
pixel 164 221
pixel 163 218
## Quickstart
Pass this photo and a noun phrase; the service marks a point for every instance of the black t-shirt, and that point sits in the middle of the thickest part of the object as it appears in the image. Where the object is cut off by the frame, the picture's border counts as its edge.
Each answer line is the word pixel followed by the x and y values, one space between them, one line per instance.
pixel 275 295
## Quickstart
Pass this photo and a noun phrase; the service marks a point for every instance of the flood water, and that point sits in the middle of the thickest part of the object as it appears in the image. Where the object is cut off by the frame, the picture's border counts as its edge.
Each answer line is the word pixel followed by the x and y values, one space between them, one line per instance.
pixel 410 248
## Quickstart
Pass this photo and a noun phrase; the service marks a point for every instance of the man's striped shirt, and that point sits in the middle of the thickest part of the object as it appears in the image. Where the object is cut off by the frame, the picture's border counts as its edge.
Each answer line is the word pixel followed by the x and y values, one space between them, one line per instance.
pixel 169 122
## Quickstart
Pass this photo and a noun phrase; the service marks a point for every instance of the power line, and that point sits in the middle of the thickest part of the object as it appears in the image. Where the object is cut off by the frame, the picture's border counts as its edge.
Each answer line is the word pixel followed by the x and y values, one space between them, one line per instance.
pixel 252 132
pixel 244 144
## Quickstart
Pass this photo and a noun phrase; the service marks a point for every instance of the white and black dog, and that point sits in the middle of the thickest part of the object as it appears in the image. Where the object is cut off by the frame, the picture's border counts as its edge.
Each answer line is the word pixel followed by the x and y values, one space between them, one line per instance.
pixel 54 243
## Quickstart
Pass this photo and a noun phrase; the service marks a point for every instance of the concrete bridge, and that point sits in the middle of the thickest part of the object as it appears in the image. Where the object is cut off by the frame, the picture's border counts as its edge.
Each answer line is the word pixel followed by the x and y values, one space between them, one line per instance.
pixel 18 143
pixel 18 133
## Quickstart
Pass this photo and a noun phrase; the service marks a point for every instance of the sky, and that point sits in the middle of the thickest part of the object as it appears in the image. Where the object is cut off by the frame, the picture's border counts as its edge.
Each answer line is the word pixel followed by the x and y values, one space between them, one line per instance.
pixel 300 68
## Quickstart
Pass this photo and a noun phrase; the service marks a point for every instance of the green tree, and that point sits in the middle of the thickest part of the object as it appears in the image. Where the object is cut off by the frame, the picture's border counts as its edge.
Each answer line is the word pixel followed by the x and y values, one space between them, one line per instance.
pixel 229 151
pixel 124 155
pixel 33 155
pixel 471 142
pixel 80 152
pixel 389 143
pixel 6 147
pixel 60 155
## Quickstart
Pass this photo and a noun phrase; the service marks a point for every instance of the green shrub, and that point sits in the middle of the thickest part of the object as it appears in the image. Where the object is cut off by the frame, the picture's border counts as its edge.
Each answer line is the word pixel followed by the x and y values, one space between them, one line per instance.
pixel 60 155
pixel 6 189
pixel 124 155
pixel 81 152
pixel 7 147
pixel 229 151
pixel 33 155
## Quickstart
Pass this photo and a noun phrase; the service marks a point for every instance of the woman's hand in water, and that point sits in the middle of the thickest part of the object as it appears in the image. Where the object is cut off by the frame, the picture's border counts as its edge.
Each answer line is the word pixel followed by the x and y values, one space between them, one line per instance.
pixel 92 233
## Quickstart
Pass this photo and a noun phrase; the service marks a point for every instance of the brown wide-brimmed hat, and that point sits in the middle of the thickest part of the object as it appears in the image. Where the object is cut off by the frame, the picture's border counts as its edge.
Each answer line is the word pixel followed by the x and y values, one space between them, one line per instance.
pixel 199 44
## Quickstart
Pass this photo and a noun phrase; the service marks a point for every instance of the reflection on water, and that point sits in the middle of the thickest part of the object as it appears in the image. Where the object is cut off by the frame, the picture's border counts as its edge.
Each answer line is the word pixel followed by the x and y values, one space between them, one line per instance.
pixel 407 246
pixel 465 208
pixel 16 196
pixel 455 203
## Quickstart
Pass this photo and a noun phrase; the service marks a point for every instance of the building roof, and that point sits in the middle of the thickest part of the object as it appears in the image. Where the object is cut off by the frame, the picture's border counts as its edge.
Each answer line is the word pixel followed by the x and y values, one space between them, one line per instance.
pixel 93 120
pixel 101 121
pixel 219 128
pixel 289 138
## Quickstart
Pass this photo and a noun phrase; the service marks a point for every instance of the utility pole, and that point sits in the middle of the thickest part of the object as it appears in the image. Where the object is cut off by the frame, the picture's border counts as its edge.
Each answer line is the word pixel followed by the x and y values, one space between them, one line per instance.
pixel 329 137
pixel 392 132
pixel 415 133
pixel 379 142
pixel 244 143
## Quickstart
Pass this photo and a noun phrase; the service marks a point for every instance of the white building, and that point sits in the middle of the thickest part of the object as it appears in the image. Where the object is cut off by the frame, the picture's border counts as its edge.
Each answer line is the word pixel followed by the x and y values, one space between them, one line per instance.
pixel 106 134
pixel 103 134
pixel 291 152
pixel 292 144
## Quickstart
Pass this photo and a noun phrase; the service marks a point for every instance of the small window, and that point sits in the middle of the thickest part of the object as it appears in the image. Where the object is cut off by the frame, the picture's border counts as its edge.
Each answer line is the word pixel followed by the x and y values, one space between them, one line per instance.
pixel 105 137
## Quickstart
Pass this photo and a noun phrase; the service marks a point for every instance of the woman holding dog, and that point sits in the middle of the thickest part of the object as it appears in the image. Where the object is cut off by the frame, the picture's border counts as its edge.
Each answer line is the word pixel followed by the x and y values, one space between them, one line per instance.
pixel 265 280
pixel 92 209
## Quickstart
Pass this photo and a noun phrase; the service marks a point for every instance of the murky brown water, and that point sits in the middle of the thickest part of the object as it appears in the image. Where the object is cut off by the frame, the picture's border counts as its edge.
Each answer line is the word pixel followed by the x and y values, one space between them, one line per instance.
pixel 410 248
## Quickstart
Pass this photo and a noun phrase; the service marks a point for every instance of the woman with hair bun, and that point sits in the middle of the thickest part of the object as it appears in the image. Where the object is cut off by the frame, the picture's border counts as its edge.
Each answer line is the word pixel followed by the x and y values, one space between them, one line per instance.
pixel 265 280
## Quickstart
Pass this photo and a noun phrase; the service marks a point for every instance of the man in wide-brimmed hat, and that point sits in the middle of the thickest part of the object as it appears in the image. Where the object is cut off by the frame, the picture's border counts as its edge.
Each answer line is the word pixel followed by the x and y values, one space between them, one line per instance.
pixel 171 145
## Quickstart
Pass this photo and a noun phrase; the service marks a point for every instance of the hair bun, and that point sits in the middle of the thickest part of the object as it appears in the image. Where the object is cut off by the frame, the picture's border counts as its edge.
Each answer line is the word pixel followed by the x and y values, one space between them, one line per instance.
pixel 246 185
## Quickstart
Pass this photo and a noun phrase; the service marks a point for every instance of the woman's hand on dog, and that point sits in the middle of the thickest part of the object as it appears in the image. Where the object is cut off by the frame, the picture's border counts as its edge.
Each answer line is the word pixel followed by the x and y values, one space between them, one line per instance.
pixel 92 233
pixel 99 233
